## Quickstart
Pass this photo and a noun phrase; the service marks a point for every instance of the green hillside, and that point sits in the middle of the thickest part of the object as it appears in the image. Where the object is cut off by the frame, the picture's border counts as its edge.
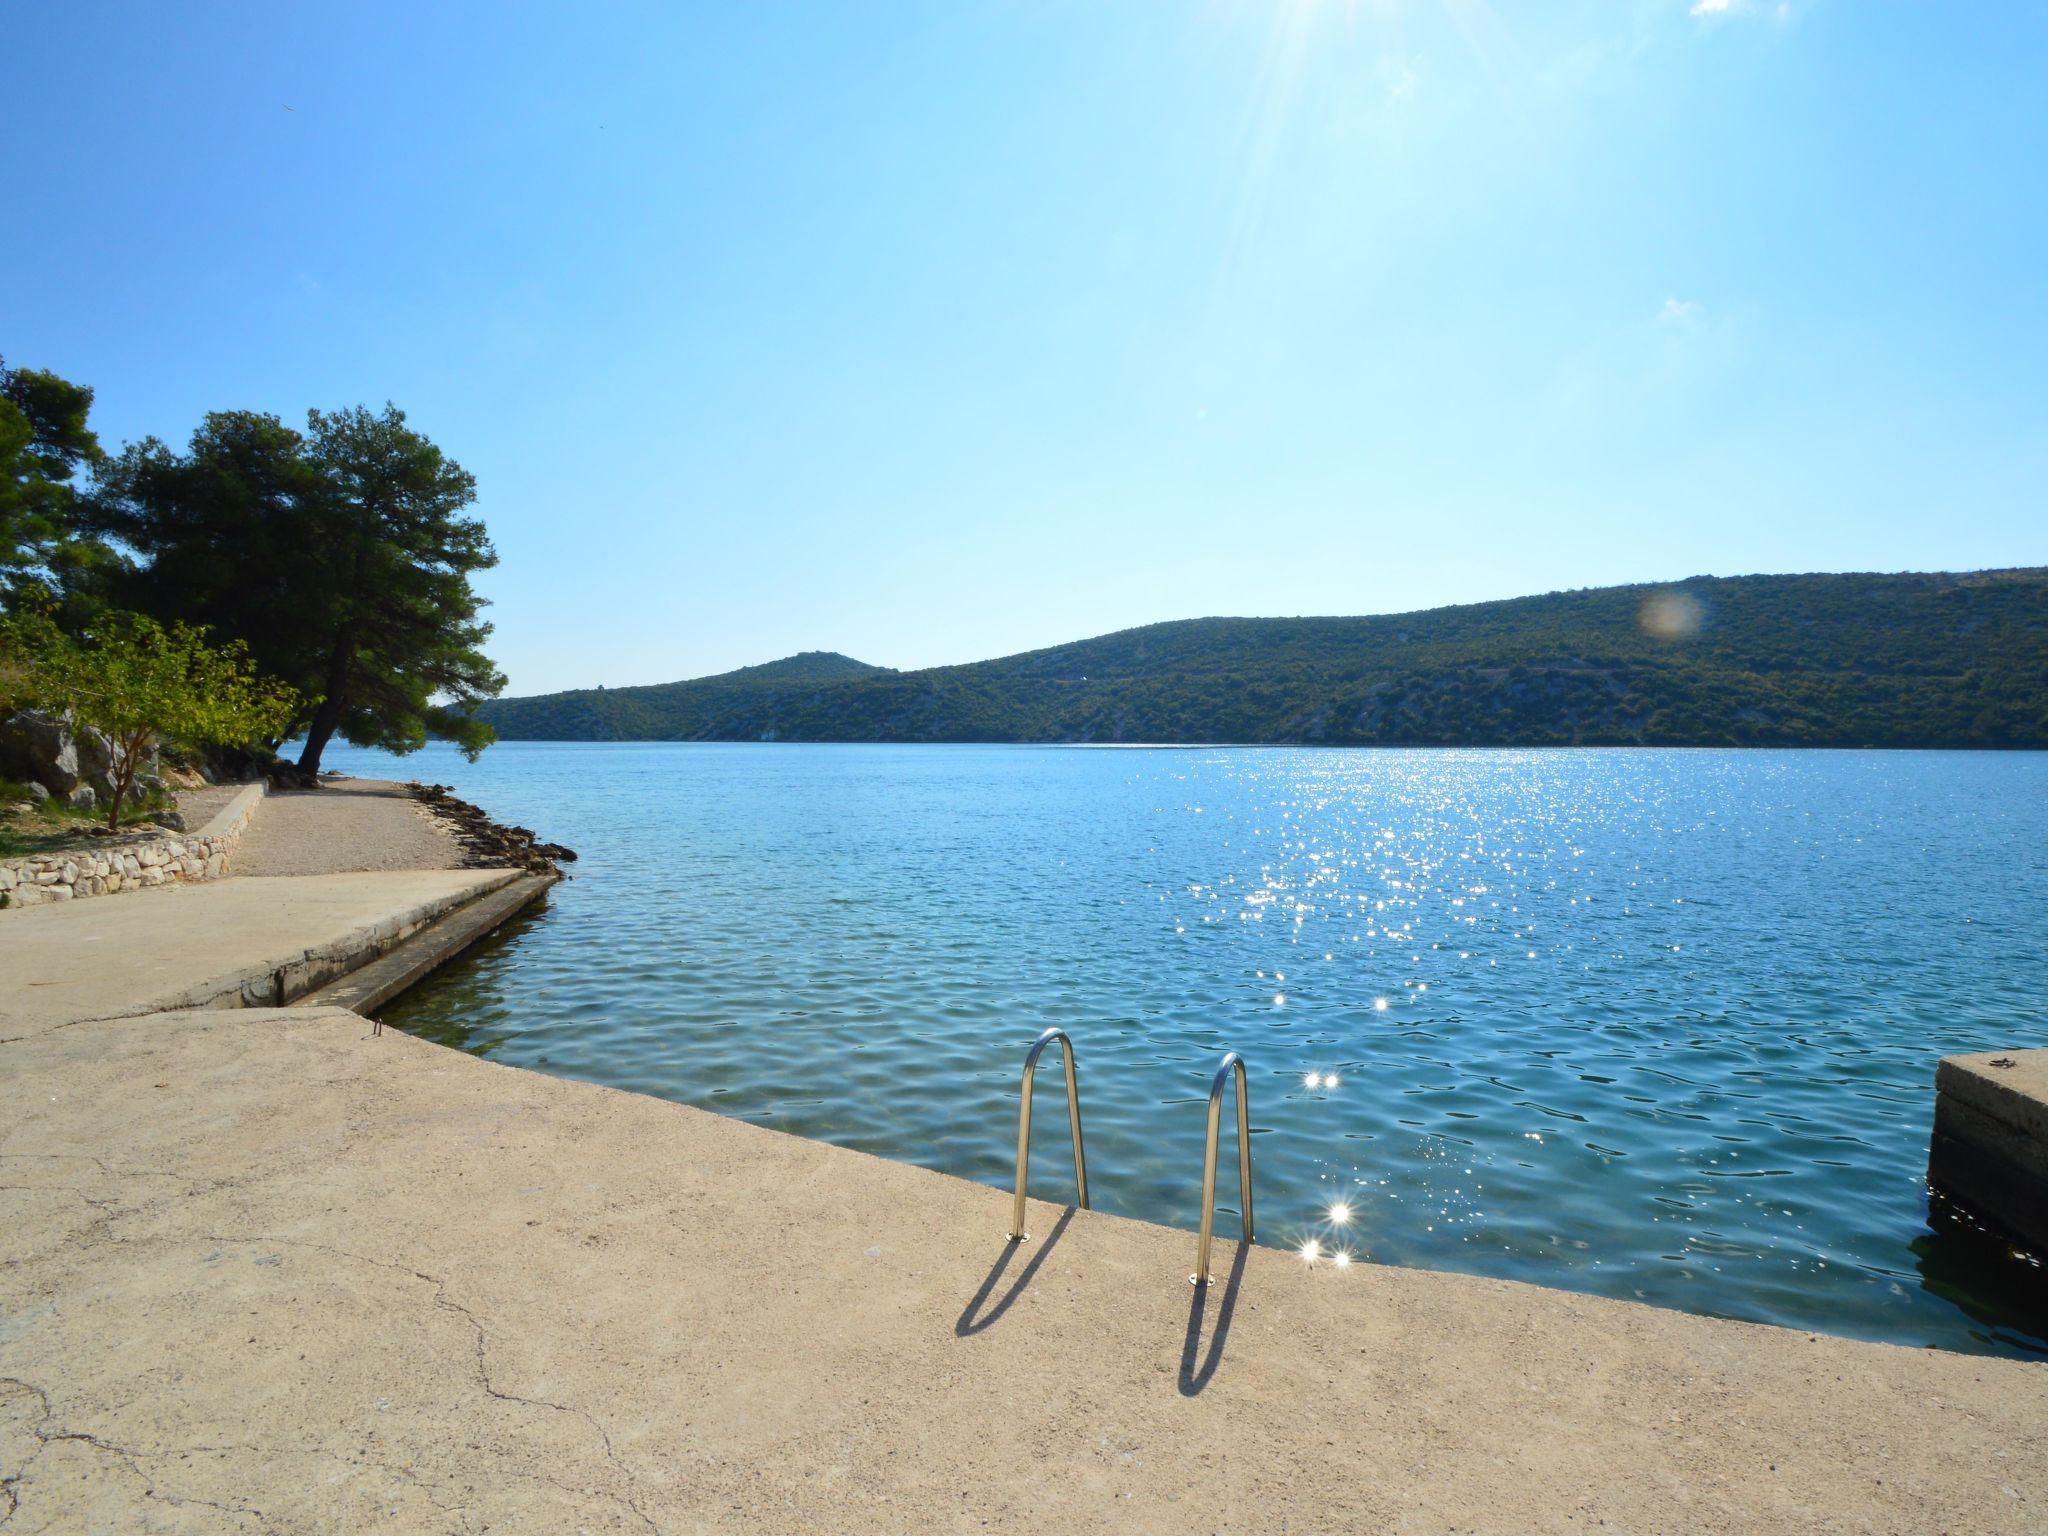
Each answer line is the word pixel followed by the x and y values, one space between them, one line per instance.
pixel 1853 660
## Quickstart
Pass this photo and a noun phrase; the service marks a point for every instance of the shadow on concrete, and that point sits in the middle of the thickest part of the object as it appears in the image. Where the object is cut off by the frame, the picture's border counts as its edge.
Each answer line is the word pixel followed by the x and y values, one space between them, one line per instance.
pixel 1194 1377
pixel 972 1320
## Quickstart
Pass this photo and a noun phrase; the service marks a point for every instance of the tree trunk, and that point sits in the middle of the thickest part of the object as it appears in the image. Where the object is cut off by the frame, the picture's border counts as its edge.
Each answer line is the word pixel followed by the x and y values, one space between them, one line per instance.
pixel 325 719
pixel 124 775
pixel 328 715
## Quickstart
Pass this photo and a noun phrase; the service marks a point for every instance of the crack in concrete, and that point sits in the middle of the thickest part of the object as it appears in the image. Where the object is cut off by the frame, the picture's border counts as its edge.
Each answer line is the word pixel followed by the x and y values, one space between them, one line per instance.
pixel 483 1369
pixel 73 1024
pixel 87 1157
pixel 110 1209
pixel 162 1005
pixel 60 1189
pixel 131 1461
pixel 396 1469
pixel 11 1484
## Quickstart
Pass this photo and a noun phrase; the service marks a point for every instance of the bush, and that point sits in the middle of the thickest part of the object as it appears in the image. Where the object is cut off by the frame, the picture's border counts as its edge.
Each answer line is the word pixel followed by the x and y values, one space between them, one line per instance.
pixel 143 685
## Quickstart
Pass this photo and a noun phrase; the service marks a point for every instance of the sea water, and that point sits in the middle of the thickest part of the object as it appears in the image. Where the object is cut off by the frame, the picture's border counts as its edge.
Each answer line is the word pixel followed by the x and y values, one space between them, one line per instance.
pixel 1659 1025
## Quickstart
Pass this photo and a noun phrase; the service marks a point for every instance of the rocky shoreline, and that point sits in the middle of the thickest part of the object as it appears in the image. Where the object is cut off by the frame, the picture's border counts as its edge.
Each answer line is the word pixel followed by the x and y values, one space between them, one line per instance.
pixel 489 844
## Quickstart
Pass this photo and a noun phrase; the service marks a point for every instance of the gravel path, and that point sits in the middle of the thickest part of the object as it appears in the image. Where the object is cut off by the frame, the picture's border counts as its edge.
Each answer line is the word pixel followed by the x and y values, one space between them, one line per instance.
pixel 349 824
pixel 199 806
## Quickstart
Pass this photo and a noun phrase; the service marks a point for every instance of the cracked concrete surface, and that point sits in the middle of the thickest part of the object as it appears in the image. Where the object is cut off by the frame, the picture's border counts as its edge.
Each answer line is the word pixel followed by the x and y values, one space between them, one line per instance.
pixel 262 1271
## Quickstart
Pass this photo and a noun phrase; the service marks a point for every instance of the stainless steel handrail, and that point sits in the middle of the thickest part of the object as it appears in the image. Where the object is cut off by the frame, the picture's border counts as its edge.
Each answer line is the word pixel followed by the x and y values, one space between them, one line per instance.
pixel 1231 1062
pixel 1017 1232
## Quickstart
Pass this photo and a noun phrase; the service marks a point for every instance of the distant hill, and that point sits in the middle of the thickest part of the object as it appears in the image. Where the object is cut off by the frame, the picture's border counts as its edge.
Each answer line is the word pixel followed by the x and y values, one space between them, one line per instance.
pixel 1855 660
pixel 702 709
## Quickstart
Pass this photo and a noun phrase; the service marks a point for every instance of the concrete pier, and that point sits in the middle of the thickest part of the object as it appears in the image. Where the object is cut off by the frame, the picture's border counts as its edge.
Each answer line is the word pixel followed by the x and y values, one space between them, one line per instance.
pixel 1990 1147
pixel 264 1270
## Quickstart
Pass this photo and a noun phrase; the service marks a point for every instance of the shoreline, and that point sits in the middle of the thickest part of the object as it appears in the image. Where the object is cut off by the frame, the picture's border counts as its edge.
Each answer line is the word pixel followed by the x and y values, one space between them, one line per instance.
pixel 1252 746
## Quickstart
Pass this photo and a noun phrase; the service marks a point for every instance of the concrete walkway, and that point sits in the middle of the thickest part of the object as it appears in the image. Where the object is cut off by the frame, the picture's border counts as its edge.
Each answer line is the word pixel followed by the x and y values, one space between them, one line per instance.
pixel 263 1271
pixel 200 945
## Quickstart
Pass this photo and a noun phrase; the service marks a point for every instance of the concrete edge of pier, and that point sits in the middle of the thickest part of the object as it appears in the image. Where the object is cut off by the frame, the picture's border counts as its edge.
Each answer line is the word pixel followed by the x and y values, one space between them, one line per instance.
pixel 1989 1151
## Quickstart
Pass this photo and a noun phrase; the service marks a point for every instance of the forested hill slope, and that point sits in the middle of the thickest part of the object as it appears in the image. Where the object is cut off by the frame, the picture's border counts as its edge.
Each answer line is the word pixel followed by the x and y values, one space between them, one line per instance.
pixel 1852 660
pixel 701 709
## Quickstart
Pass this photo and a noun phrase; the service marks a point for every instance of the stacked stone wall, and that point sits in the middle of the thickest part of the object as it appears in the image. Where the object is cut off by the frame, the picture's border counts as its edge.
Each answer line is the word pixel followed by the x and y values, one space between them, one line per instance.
pixel 103 868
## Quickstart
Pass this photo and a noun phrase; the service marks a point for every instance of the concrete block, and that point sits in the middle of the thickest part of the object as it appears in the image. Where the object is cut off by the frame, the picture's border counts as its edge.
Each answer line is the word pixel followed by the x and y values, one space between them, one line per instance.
pixel 1990 1147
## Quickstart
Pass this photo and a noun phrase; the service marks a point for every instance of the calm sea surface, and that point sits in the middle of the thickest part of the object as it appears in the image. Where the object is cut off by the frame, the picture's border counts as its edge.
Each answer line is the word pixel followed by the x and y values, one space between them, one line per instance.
pixel 1658 1025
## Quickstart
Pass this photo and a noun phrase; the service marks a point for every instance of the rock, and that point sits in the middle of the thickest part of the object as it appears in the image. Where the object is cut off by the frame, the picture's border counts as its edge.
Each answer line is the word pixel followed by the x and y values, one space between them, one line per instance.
pixel 38 745
pixel 175 820
pixel 81 798
pixel 487 844
pixel 53 751
pixel 37 795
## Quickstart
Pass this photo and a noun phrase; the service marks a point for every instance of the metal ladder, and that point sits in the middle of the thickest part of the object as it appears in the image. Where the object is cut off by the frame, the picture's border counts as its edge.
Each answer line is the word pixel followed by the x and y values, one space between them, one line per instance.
pixel 1017 1232
pixel 1232 1062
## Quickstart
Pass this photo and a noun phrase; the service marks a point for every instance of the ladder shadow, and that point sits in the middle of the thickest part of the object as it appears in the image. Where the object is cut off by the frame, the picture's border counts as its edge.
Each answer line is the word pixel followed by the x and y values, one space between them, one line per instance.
pixel 970 1324
pixel 1195 1376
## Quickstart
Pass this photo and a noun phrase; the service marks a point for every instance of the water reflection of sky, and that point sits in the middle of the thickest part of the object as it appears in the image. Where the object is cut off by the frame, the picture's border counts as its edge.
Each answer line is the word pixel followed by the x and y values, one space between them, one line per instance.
pixel 1654 1024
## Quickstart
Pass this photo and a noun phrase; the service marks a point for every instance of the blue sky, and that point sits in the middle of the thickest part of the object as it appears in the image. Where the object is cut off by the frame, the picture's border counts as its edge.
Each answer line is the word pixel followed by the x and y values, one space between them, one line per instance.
pixel 930 332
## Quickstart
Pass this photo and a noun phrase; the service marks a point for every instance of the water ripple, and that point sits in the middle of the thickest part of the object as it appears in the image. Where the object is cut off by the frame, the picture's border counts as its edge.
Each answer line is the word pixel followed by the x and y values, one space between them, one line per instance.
pixel 1658 1025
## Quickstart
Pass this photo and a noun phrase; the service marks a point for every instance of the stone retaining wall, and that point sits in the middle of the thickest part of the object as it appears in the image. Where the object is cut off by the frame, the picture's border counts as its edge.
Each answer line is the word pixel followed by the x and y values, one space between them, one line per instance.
pixel 173 859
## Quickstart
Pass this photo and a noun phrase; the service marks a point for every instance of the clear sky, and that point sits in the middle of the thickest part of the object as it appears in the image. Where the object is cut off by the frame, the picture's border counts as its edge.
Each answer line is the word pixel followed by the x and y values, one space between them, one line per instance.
pixel 937 331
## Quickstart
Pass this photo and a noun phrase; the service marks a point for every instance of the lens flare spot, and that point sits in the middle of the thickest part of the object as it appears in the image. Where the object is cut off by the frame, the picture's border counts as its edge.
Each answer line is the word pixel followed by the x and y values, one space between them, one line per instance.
pixel 1672 615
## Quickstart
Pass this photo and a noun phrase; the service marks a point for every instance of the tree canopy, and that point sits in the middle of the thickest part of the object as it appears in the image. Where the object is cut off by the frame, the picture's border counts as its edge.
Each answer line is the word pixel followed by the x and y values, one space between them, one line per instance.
pixel 44 443
pixel 142 684
pixel 339 555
